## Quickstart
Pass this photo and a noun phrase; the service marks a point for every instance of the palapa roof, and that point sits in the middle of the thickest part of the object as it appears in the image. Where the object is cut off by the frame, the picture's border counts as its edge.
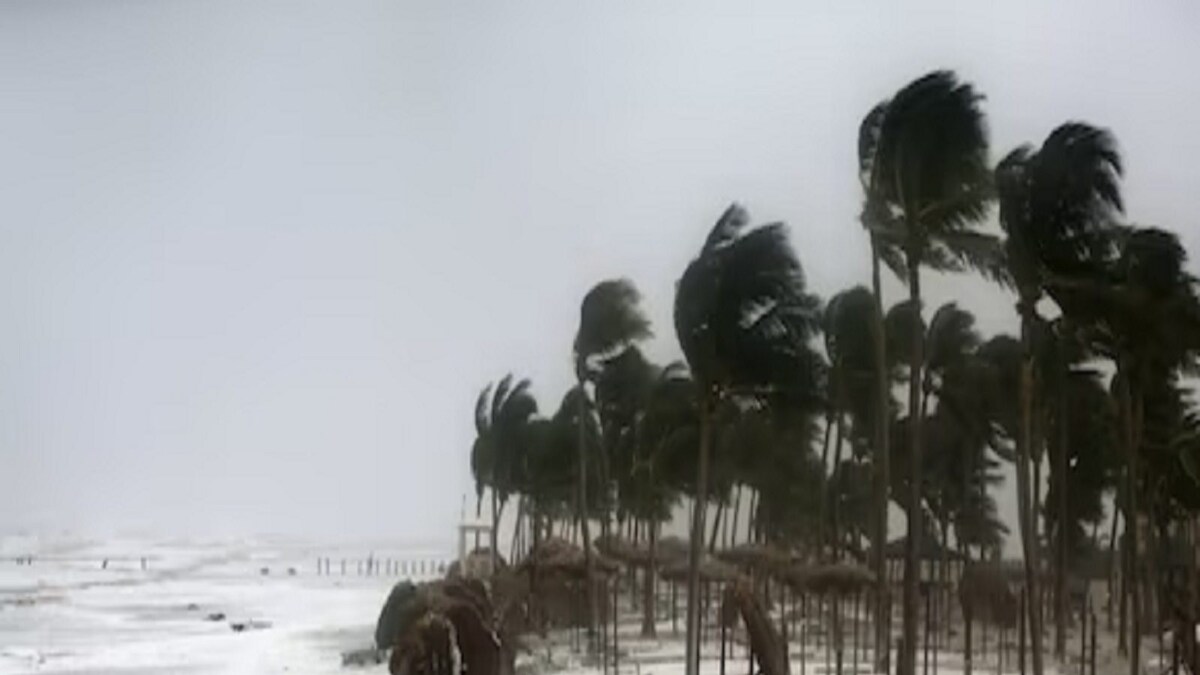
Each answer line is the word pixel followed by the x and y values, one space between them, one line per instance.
pixel 762 558
pixel 931 549
pixel 711 569
pixel 558 555
pixel 621 549
pixel 838 578
pixel 671 548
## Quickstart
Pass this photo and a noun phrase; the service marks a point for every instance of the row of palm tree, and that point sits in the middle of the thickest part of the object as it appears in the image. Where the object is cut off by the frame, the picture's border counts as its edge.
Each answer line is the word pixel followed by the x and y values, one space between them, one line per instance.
pixel 1092 387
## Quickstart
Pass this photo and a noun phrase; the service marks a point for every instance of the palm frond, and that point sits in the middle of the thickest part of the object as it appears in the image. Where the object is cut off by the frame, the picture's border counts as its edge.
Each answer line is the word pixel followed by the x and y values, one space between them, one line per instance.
pixel 868 142
pixel 482 418
pixel 932 150
pixel 742 313
pixel 965 250
pixel 610 318
pixel 951 336
pixel 501 394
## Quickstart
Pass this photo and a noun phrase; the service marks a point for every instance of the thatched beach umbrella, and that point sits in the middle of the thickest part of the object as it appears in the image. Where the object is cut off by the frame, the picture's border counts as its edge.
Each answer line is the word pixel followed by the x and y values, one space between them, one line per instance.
pixel 559 556
pixel 624 551
pixel 836 578
pixel 761 558
pixel 711 570
pixel 670 549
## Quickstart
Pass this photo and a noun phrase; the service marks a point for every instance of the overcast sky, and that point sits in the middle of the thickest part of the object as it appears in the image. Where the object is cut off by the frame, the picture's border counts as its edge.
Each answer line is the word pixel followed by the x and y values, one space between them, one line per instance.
pixel 257 258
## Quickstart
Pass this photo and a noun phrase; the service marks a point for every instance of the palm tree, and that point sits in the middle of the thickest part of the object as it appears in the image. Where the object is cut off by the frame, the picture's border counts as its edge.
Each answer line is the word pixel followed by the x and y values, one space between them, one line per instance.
pixel 501 419
pixel 610 320
pixel 929 188
pixel 1145 315
pixel 849 327
pixel 1056 206
pixel 872 219
pixel 744 320
pixel 640 406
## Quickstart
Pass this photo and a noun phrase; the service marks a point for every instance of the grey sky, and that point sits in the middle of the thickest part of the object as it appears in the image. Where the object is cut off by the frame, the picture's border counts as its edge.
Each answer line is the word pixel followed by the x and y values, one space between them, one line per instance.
pixel 257 258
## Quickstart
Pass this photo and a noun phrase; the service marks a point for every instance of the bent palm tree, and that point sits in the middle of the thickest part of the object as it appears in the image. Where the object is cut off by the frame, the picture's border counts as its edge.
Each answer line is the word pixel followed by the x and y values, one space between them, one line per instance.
pixel 929 188
pixel 501 420
pixel 744 321
pixel 610 320
pixel 1056 208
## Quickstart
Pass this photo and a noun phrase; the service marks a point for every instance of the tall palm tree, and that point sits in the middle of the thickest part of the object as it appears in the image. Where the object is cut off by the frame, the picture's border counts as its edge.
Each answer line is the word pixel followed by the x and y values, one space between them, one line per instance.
pixel 929 188
pixel 640 406
pixel 873 218
pixel 610 320
pixel 1056 207
pixel 744 320
pixel 849 328
pixel 1145 315
pixel 501 419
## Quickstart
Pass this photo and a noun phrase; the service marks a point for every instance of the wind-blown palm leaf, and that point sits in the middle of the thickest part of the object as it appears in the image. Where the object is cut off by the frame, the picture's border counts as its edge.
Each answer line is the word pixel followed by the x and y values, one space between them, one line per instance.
pixel 741 310
pixel 931 156
pixel 610 319
pixel 482 416
pixel 951 336
pixel 1058 207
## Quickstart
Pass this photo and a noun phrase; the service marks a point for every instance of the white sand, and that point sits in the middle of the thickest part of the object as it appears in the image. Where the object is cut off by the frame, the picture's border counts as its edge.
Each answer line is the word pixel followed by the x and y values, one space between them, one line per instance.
pixel 64 614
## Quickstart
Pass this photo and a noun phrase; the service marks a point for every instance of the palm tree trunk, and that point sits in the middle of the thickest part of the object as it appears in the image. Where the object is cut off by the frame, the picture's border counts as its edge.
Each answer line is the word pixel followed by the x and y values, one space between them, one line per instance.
pixel 716 527
pixel 1060 575
pixel 824 502
pixel 1037 512
pixel 737 507
pixel 752 515
pixel 1026 517
pixel 588 563
pixel 882 467
pixel 497 511
pixel 907 664
pixel 835 543
pixel 696 542
pixel 648 600
pixel 1131 520
pixel 1113 559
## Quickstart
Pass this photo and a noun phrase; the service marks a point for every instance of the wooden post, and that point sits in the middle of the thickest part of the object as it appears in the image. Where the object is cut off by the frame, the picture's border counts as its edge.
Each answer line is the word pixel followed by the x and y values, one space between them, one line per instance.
pixel 967 620
pixel 616 639
pixel 925 646
pixel 1021 629
pixel 839 634
pixel 1083 635
pixel 826 634
pixel 983 628
pixel 854 627
pixel 1092 656
pixel 675 609
pixel 803 632
pixel 724 635
pixel 749 652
